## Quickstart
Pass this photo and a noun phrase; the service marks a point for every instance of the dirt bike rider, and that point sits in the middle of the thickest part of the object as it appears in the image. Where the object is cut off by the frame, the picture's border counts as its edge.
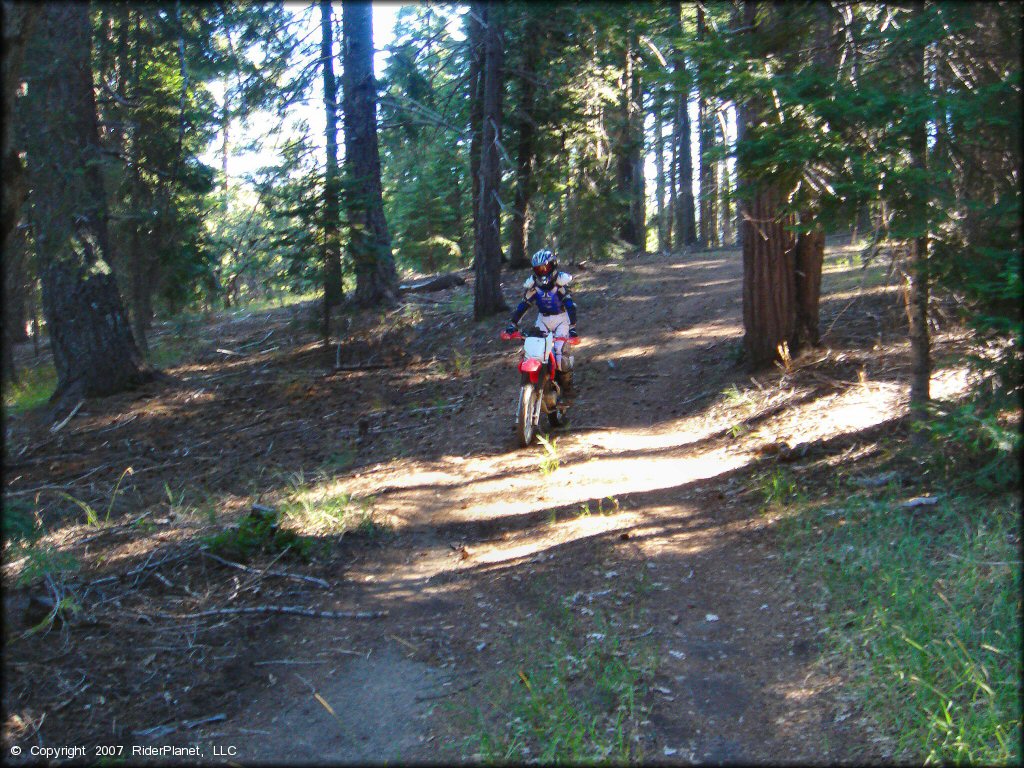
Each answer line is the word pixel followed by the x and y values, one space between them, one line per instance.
pixel 556 312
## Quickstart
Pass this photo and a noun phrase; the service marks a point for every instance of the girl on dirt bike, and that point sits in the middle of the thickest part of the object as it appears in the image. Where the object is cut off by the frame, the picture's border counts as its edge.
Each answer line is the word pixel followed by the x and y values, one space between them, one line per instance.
pixel 556 312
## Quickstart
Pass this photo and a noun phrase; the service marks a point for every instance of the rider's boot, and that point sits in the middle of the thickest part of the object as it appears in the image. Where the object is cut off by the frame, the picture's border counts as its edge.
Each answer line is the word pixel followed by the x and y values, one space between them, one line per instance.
pixel 565 383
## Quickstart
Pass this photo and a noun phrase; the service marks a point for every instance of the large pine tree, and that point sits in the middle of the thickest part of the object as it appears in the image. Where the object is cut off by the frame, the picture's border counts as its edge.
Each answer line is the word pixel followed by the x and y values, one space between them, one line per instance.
pixel 94 352
pixel 370 243
pixel 487 298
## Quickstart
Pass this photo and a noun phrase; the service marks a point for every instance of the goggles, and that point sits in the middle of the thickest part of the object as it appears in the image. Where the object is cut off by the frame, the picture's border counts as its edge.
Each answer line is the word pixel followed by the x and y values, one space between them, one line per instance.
pixel 544 269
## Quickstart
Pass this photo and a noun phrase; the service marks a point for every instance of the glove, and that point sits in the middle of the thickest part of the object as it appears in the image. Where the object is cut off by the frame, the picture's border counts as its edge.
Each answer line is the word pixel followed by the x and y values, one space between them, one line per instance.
pixel 573 334
pixel 511 328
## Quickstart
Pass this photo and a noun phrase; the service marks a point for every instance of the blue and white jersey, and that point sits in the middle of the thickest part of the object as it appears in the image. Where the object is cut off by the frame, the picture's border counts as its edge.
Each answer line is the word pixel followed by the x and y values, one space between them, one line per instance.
pixel 550 302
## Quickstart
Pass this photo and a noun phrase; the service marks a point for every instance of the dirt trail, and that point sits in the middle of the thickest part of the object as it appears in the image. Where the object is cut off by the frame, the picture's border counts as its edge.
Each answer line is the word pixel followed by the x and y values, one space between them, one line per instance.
pixel 674 550
pixel 735 674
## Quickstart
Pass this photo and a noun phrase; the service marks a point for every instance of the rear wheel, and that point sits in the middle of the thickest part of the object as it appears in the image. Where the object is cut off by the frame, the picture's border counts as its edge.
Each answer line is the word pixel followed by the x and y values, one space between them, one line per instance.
pixel 525 428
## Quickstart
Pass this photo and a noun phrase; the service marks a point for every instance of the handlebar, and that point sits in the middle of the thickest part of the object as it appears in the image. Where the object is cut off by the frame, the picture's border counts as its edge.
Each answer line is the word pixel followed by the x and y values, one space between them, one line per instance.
pixel 517 335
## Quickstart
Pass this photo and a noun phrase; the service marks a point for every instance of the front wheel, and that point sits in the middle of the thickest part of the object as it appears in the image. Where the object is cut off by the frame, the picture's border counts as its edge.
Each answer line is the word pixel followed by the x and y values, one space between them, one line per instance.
pixel 525 428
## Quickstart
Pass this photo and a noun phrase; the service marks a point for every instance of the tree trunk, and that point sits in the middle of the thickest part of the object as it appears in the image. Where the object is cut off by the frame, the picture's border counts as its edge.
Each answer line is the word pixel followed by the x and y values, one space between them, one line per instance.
pixel 671 231
pixel 638 198
pixel 93 349
pixel 376 278
pixel 659 169
pixel 487 297
pixel 15 311
pixel 521 215
pixel 626 150
pixel 810 255
pixel 708 224
pixel 686 229
pixel 917 288
pixel 18 20
pixel 725 188
pixel 769 276
pixel 769 280
pixel 333 293
pixel 474 39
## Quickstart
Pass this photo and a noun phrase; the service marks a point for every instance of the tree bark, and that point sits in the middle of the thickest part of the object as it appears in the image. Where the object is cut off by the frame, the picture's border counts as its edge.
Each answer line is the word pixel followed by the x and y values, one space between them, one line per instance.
pixel 769 277
pixel 769 280
pixel 685 225
pixel 93 349
pixel 376 278
pixel 474 39
pixel 725 187
pixel 659 169
pixel 487 296
pixel 810 255
pixel 917 283
pixel 521 214
pixel 333 293
pixel 707 224
pixel 638 197
pixel 629 152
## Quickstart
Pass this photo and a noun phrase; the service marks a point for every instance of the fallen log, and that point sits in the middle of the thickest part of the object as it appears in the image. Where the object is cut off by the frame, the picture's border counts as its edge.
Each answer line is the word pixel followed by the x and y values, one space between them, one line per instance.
pixel 436 283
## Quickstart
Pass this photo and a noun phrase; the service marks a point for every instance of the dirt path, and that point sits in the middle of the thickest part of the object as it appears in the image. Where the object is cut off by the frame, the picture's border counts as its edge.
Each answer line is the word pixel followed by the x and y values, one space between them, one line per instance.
pixel 648 525
pixel 735 677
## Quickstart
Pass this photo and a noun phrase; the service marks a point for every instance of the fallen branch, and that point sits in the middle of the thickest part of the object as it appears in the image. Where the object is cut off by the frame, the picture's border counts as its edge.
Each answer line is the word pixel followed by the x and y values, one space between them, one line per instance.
pixel 451 692
pixel 438 283
pixel 361 367
pixel 287 609
pixel 58 427
pixel 282 574
pixel 163 730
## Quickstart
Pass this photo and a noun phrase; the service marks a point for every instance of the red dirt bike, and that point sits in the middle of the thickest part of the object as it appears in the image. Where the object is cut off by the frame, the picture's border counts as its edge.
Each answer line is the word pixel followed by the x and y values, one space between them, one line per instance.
pixel 538 390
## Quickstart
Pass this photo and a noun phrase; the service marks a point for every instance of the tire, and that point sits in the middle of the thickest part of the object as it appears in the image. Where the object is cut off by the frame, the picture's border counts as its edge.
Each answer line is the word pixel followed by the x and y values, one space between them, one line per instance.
pixel 525 428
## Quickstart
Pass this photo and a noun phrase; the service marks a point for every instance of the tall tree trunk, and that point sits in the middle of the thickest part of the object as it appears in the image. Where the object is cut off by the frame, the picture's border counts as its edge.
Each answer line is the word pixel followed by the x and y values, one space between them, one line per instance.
pixel 225 125
pixel 725 185
pixel 671 231
pixel 769 279
pixel 474 39
pixel 707 224
pixel 376 278
pixel 487 297
pixel 638 197
pixel 18 20
pixel 93 349
pixel 686 228
pixel 333 293
pixel 810 255
pixel 810 245
pixel 659 168
pixel 917 283
pixel 521 214
pixel 626 150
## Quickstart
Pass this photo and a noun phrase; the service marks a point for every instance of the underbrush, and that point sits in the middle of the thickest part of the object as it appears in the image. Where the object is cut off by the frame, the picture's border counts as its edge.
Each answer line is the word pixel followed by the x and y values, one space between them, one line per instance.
pixel 569 695
pixel 32 389
pixel 919 564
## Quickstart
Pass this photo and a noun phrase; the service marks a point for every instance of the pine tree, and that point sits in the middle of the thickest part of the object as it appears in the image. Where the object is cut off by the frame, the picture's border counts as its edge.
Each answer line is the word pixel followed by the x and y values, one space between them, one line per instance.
pixel 370 244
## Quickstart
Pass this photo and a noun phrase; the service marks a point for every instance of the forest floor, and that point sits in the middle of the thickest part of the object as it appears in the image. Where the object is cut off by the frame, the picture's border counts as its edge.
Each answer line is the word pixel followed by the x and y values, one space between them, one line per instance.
pixel 623 587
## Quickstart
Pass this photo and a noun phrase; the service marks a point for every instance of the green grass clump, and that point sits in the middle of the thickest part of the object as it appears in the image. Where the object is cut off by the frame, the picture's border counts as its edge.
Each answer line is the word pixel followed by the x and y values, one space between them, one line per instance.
pixel 572 696
pixel 551 461
pixel 258 533
pixel 924 608
pixel 32 389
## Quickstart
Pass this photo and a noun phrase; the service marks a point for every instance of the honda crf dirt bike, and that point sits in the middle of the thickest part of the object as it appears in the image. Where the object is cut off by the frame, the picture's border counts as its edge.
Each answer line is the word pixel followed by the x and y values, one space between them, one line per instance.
pixel 538 390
